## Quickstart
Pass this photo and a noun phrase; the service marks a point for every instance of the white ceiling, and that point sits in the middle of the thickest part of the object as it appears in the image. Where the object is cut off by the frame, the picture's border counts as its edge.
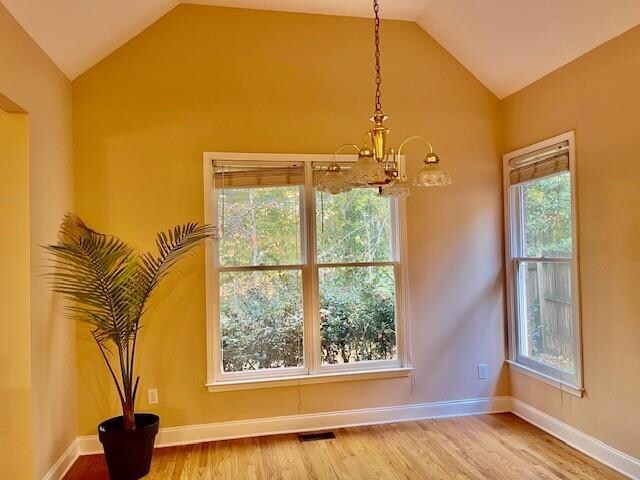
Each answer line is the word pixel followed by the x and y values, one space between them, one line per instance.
pixel 77 34
pixel 506 44
pixel 509 44
pixel 393 9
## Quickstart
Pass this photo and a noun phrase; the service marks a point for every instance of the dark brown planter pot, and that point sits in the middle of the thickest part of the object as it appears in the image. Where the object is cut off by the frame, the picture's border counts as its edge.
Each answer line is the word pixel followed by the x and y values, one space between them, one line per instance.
pixel 128 452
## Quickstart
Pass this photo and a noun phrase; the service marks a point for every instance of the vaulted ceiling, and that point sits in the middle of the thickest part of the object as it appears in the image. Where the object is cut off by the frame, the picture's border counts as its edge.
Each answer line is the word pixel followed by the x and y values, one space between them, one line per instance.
pixel 506 44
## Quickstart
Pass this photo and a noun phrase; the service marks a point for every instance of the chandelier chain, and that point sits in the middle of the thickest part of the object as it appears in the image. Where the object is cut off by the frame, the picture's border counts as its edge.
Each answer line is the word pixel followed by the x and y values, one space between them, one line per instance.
pixel 376 9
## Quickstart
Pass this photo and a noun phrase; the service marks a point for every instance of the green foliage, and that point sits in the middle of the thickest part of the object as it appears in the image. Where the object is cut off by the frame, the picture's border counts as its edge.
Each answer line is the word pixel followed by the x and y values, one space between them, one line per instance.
pixel 357 304
pixel 357 314
pixel 261 316
pixel 548 233
pixel 353 227
pixel 261 226
pixel 261 313
pixel 547 207
pixel 109 284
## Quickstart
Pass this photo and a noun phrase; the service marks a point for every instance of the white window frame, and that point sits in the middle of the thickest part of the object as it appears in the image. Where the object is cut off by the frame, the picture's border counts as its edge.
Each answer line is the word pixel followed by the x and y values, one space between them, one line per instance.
pixel 572 384
pixel 312 371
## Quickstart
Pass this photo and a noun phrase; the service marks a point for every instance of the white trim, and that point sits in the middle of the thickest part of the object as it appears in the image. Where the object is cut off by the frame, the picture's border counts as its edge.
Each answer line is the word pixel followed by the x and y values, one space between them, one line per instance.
pixel 575 382
pixel 255 383
pixel 311 299
pixel 554 382
pixel 587 444
pixel 402 296
pixel 172 436
pixel 191 434
pixel 64 463
pixel 276 157
pixel 313 370
pixel 210 280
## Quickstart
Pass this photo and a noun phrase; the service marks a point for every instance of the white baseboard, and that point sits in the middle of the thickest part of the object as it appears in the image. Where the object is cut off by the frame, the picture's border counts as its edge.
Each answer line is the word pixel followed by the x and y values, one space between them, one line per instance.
pixel 172 436
pixel 191 434
pixel 587 444
pixel 64 463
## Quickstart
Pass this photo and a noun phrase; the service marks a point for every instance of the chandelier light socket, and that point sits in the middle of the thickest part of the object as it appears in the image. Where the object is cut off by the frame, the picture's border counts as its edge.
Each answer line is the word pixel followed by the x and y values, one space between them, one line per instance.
pixel 431 158
pixel 364 152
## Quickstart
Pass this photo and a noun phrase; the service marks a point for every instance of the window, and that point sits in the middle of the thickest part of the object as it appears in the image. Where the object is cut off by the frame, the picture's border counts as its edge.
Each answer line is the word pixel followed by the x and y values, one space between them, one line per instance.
pixel 542 260
pixel 300 284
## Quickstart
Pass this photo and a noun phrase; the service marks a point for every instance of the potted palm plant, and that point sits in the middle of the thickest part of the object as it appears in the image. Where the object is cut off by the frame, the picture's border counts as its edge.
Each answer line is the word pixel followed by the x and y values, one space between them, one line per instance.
pixel 109 284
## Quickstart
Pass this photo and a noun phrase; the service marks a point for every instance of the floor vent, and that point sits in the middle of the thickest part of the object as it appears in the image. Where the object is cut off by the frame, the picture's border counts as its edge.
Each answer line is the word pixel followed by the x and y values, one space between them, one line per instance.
pixel 312 437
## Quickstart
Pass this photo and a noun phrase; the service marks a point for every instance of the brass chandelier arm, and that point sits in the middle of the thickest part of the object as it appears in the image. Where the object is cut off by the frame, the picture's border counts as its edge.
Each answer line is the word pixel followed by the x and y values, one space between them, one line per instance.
pixel 415 137
pixel 342 148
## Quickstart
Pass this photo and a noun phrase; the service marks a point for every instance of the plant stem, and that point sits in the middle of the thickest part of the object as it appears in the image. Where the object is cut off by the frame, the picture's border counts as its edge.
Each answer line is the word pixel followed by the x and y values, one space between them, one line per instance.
pixel 113 375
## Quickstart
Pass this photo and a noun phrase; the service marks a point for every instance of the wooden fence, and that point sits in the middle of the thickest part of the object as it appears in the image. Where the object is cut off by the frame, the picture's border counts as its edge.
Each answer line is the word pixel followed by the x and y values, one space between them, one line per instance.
pixel 549 308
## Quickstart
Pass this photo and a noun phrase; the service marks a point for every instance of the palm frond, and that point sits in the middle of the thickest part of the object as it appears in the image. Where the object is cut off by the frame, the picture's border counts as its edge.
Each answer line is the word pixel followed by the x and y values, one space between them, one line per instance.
pixel 172 245
pixel 93 270
pixel 109 284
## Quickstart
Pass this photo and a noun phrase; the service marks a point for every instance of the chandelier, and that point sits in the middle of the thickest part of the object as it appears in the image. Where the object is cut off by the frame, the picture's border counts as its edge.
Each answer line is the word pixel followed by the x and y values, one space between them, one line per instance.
pixel 376 166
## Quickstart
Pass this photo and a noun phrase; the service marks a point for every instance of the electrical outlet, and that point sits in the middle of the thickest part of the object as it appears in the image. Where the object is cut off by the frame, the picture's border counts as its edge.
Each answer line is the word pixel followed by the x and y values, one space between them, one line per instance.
pixel 483 371
pixel 152 395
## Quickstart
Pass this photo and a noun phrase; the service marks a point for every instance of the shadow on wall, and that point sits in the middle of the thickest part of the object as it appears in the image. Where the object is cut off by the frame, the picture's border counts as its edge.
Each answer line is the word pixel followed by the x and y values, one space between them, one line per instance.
pixel 458 300
pixel 455 331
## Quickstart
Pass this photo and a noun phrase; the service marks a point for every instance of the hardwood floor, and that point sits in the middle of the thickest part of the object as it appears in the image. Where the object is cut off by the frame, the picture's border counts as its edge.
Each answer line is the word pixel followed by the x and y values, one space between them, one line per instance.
pixel 492 447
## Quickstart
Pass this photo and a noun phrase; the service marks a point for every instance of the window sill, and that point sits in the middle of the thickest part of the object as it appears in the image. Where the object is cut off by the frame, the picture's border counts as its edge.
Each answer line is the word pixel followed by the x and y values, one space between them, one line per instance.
pixel 574 390
pixel 257 383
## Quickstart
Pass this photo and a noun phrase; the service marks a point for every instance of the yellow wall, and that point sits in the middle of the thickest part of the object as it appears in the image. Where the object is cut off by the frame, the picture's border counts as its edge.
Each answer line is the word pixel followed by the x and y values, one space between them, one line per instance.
pixel 215 79
pixel 29 79
pixel 15 341
pixel 598 96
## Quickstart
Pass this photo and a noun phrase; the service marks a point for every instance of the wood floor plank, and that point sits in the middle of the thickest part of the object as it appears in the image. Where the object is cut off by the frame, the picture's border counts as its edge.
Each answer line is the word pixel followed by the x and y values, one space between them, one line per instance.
pixel 485 447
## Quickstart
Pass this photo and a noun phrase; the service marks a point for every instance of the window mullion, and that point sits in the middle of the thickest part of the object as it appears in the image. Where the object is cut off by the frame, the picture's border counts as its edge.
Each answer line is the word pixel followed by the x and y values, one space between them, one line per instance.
pixel 519 223
pixel 260 268
pixel 310 276
pixel 518 236
pixel 357 264
pixel 399 235
pixel 543 259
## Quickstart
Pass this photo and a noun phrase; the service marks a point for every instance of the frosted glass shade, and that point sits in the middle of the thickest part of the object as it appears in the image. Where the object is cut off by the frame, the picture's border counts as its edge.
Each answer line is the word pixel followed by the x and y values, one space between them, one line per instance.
pixel 334 182
pixel 399 189
pixel 431 175
pixel 367 171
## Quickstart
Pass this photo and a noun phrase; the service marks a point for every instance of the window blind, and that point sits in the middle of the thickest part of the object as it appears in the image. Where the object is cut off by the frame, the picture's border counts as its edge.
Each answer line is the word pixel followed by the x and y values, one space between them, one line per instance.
pixel 248 174
pixel 539 164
